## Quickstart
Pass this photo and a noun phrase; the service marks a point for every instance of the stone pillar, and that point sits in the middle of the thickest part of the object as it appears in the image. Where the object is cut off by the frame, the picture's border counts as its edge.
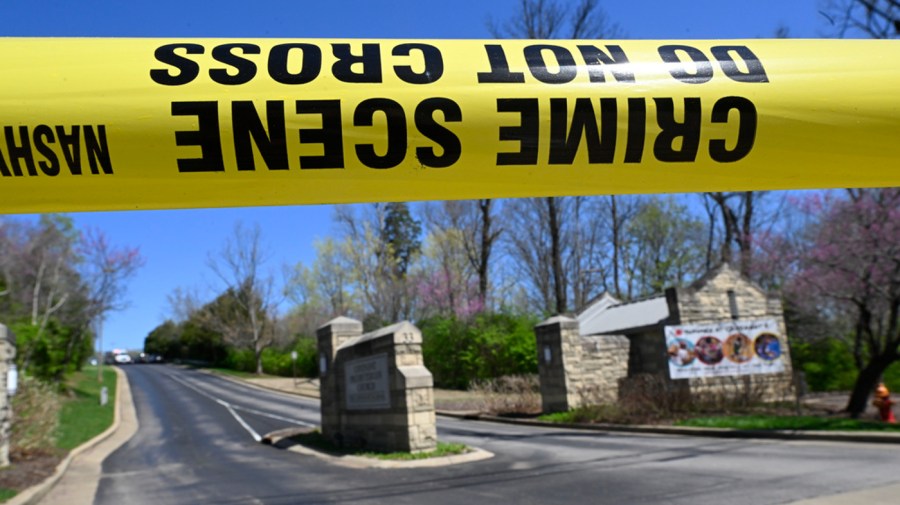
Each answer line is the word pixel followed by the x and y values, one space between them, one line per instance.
pixel 330 336
pixel 7 353
pixel 559 363
pixel 383 397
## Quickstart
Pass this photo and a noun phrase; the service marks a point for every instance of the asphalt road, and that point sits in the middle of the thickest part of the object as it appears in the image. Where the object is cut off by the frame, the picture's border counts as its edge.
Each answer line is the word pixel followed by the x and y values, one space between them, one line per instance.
pixel 196 445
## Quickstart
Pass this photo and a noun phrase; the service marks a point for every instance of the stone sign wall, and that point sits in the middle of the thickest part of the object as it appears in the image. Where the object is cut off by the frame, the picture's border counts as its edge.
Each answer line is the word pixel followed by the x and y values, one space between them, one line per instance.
pixel 375 390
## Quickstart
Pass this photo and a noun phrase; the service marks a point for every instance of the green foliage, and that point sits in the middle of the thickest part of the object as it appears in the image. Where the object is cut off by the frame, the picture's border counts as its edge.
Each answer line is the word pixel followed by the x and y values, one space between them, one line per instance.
pixel 191 341
pixel 241 360
pixel 82 417
pixel 163 340
pixel 458 352
pixel 307 357
pixel 401 233
pixel 892 377
pixel 57 283
pixel 275 361
pixel 667 244
pixel 829 366
pixel 52 352
pixel 827 363
pixel 199 342
pixel 36 408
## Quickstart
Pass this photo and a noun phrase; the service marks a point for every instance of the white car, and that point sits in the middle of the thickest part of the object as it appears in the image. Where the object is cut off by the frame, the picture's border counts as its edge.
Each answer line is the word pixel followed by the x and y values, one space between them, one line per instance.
pixel 122 359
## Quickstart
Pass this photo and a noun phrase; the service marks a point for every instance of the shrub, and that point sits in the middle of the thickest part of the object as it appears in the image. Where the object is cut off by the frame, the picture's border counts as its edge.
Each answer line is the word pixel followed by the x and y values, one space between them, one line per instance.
pixel 36 408
pixel 242 360
pixel 827 363
pixel 277 361
pixel 43 352
pixel 458 352
pixel 307 357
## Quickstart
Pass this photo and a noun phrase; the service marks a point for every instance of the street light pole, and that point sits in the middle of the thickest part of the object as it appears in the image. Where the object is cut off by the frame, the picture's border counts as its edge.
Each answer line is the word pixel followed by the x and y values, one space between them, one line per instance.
pixel 99 329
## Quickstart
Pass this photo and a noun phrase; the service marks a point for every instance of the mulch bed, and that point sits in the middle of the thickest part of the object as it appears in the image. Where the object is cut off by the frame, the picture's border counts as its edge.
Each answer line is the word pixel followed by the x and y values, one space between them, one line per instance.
pixel 28 469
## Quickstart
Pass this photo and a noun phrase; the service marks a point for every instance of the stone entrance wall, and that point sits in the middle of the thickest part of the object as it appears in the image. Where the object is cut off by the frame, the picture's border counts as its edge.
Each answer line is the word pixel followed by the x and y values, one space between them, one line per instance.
pixel 576 371
pixel 712 300
pixel 375 390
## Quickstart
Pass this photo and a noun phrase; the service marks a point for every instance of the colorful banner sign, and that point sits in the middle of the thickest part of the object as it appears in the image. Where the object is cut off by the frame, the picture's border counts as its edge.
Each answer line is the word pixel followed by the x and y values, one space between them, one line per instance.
pixel 105 124
pixel 724 349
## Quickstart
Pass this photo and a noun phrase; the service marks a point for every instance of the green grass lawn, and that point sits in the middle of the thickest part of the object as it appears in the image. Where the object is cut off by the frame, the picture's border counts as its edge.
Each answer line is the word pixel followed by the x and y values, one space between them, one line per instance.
pixel 789 423
pixel 82 418
pixel 739 422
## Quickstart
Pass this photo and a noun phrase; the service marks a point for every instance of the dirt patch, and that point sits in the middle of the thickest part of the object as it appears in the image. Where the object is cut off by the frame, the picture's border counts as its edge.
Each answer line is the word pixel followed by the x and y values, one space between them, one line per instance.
pixel 29 469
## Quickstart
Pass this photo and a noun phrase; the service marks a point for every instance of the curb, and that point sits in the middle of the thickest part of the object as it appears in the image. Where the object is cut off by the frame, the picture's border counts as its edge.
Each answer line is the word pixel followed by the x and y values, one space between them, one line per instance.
pixel 475 454
pixel 359 462
pixel 34 494
pixel 829 436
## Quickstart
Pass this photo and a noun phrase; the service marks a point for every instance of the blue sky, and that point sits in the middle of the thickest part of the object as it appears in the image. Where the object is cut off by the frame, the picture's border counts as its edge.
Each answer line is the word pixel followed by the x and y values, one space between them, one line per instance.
pixel 176 243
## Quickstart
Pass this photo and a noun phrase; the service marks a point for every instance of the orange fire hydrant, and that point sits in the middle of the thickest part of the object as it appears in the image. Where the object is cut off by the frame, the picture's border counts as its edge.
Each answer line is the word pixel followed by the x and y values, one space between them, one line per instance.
pixel 883 402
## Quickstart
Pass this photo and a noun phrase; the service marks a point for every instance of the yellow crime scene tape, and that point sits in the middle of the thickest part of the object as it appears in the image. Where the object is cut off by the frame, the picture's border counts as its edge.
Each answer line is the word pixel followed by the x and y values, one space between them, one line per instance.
pixel 107 124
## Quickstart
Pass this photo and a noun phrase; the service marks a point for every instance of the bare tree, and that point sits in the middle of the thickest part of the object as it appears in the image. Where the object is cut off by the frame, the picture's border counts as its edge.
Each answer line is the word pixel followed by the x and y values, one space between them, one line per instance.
pixel 322 290
pixel 618 211
pixel 547 19
pixel 40 274
pixel 327 282
pixel 245 318
pixel 878 19
pixel 529 246
pixel 446 277
pixel 737 212
pixel 378 274
pixel 57 285
pixel 105 270
pixel 552 19
pixel 745 218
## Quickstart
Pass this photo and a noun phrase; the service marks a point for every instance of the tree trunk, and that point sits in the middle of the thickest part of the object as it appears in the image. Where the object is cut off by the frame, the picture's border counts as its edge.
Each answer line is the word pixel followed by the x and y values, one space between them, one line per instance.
pixel 485 250
pixel 259 367
pixel 728 220
pixel 865 384
pixel 556 256
pixel 746 238
pixel 615 246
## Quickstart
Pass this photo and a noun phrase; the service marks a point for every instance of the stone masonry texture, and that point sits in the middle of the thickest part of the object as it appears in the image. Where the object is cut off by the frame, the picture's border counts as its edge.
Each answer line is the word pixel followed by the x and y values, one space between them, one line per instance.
pixel 576 371
pixel 384 410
